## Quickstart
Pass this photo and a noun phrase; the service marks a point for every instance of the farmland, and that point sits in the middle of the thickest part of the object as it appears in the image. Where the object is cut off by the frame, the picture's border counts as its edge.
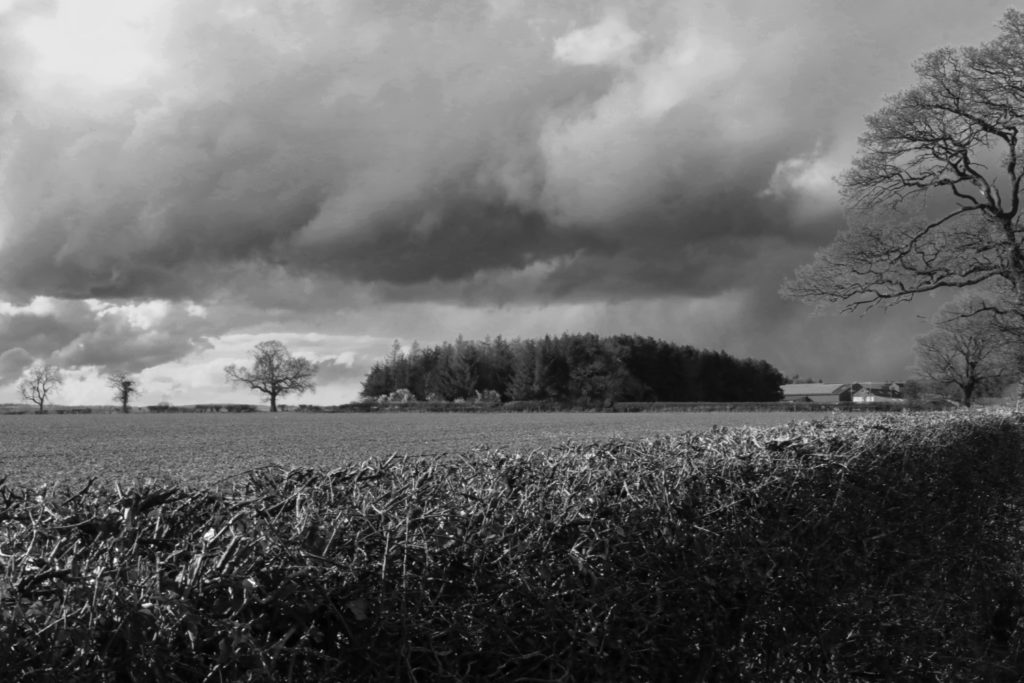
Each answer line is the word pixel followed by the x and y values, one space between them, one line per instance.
pixel 191 448
pixel 870 548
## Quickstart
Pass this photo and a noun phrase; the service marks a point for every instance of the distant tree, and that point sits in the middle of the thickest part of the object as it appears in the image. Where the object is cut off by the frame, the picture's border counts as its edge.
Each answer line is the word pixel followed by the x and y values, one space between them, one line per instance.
pixel 125 387
pixel 398 363
pixel 39 383
pixel 797 379
pixel 922 388
pixel 915 389
pixel 521 385
pixel 597 375
pixel 551 369
pixel 415 372
pixel 377 382
pixel 455 375
pixel 967 349
pixel 275 372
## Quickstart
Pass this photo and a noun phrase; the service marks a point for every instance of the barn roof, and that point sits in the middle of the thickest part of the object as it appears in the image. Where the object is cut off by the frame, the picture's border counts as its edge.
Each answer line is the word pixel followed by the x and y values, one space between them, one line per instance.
pixel 813 389
pixel 876 385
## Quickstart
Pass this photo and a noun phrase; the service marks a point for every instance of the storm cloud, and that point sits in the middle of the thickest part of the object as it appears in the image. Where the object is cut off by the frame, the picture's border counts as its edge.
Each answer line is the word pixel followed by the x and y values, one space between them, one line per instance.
pixel 324 156
pixel 411 142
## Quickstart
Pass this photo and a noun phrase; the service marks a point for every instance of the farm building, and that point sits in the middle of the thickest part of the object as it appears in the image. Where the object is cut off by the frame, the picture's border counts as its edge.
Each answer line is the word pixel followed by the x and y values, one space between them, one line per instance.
pixel 877 392
pixel 817 393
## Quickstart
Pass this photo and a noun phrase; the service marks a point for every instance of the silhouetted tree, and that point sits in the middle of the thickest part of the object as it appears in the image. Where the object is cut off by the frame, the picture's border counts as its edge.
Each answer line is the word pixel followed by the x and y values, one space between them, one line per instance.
pixel 966 349
pixel 275 372
pixel 39 383
pixel 933 196
pixel 125 388
pixel 377 382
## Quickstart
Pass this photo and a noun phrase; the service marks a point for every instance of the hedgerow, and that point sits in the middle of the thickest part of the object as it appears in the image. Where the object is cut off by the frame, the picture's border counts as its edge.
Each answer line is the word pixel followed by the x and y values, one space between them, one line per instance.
pixel 881 548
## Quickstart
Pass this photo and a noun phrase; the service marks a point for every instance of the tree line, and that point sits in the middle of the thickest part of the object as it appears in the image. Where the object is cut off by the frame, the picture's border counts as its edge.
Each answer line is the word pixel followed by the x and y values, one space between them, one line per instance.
pixel 573 369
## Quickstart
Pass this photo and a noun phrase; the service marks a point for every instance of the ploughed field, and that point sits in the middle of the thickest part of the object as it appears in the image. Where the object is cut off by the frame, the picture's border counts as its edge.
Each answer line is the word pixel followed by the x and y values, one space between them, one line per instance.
pixel 202 448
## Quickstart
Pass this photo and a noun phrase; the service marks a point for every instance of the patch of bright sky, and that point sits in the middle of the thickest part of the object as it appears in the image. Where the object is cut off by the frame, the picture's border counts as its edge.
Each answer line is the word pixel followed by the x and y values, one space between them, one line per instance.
pixel 690 64
pixel 196 310
pixel 610 41
pixel 105 44
pixel 238 345
pixel 145 314
pixel 40 305
pixel 810 179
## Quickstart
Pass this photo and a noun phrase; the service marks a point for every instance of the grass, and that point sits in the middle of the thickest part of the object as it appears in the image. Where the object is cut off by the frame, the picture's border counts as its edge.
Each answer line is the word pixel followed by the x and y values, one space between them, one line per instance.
pixel 883 548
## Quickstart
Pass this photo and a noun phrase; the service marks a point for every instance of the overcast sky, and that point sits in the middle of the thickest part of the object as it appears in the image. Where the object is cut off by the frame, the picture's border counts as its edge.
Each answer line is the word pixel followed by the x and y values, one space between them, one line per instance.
pixel 182 179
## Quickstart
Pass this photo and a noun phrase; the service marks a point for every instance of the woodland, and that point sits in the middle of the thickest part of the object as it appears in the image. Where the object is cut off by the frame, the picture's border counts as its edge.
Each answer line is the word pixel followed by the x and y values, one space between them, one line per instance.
pixel 573 369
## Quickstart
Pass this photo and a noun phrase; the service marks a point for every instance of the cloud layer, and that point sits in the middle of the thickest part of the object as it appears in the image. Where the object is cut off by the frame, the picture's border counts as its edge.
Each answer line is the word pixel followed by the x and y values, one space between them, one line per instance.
pixel 422 143
pixel 321 156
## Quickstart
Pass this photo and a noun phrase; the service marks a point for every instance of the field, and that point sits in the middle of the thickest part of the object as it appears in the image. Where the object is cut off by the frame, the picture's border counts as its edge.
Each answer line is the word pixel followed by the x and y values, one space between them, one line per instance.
pixel 865 548
pixel 201 449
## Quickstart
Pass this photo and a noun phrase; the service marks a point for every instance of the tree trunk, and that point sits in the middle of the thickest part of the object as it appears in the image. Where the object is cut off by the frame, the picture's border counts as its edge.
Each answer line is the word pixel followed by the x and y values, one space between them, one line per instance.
pixel 273 403
pixel 1017 266
pixel 124 404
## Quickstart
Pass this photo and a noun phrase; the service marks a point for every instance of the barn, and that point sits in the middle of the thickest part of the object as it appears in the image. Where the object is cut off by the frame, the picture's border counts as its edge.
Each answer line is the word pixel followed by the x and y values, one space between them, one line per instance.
pixel 817 393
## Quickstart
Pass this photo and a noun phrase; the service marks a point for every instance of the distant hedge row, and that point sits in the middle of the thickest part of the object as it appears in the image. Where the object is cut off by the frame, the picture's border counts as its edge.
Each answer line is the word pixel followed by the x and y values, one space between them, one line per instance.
pixel 625 407
pixel 885 548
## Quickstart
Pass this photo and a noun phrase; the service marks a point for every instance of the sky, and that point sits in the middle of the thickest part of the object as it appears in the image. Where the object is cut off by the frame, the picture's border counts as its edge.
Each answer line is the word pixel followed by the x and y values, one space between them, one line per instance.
pixel 183 179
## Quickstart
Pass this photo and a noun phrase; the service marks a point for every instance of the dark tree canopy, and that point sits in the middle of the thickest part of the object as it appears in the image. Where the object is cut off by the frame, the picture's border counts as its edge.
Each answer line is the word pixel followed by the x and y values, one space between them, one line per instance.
pixel 933 196
pixel 967 348
pixel 125 388
pixel 39 383
pixel 577 369
pixel 275 372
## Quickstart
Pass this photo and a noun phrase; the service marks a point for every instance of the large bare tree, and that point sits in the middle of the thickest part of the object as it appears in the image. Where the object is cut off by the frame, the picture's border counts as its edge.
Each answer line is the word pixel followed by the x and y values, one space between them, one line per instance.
pixel 275 372
pixel 39 383
pixel 125 387
pixel 933 196
pixel 968 348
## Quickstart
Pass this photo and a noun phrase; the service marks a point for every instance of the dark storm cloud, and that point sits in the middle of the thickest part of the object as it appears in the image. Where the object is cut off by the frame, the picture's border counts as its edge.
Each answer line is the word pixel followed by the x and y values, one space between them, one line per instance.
pixel 408 144
pixel 44 333
pixel 116 344
pixel 76 334
pixel 13 362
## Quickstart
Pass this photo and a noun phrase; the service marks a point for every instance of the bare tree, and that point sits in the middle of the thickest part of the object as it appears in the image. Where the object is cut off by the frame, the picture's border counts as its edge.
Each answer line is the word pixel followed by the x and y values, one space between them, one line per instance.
pixel 933 196
pixel 275 372
pixel 125 388
pixel 968 348
pixel 39 383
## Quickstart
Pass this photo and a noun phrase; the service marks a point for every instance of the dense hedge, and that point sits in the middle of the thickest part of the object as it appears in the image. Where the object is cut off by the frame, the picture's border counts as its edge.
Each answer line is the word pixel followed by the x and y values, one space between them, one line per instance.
pixel 875 548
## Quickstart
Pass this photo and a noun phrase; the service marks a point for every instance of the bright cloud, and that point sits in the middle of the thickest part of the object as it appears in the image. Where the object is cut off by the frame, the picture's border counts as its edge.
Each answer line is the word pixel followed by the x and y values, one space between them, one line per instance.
pixel 611 41
pixel 807 183
pixel 87 45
